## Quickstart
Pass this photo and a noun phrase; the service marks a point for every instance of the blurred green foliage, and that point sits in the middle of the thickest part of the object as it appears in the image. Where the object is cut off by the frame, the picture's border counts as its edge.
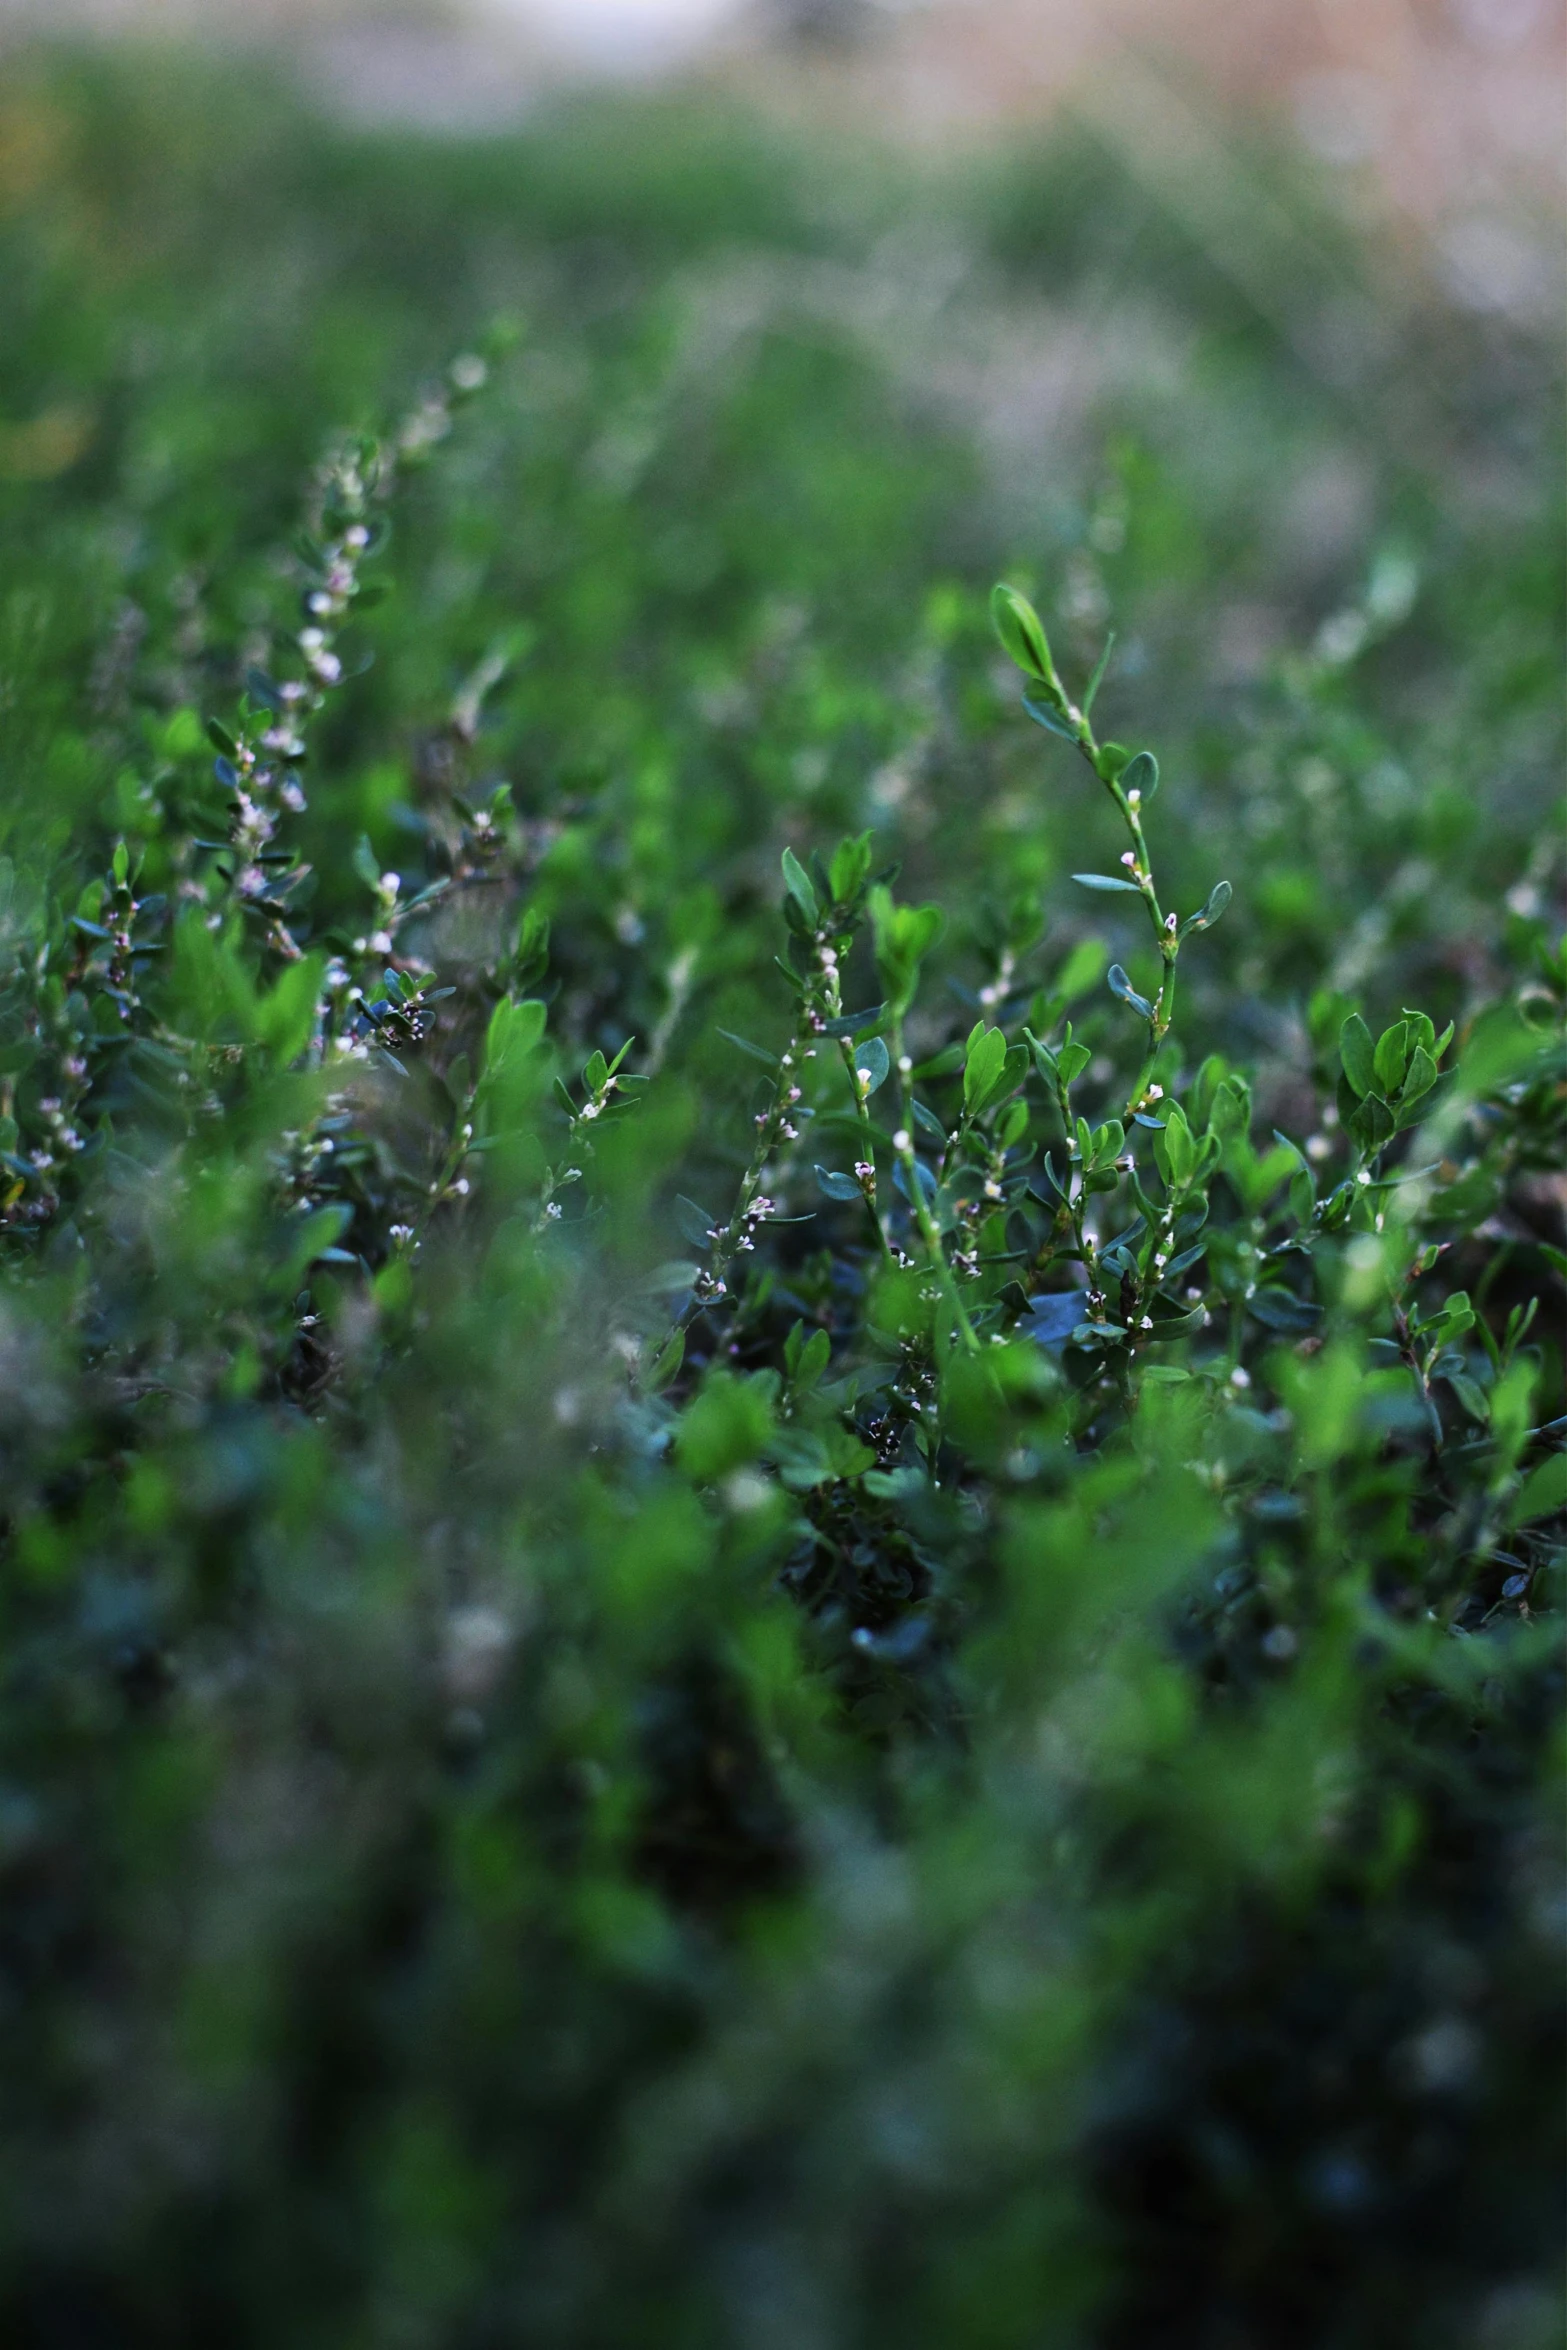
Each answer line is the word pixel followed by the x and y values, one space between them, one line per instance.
pixel 705 1653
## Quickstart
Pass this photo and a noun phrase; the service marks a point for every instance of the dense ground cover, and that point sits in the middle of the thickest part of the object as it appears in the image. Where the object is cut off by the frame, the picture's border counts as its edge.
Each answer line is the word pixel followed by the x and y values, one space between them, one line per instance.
pixel 747 1598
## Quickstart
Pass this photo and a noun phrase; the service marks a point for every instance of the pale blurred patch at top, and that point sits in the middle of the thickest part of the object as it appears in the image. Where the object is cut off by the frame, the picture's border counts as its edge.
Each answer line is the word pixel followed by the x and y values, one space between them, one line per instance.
pixel 1440 117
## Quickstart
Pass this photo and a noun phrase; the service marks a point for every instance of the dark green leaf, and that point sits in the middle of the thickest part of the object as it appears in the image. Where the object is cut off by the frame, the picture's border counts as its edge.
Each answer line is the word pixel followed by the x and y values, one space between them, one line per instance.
pixel 696 1225
pixel 1121 986
pixel 1046 714
pixel 872 1063
pixel 1218 898
pixel 926 1180
pixel 744 1044
pixel 1052 1320
pixel 1280 1309
pixel 1372 1124
pixel 850 1023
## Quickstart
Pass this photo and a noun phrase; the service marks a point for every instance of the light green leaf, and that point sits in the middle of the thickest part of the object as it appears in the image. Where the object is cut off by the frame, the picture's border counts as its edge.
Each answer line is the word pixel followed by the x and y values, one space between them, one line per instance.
pixel 986 1058
pixel 850 868
pixel 1390 1057
pixel 1355 1051
pixel 1022 635
pixel 286 1017
pixel 311 1238
pixel 1543 1492
pixel 1420 1075
pixel 798 883
pixel 1082 970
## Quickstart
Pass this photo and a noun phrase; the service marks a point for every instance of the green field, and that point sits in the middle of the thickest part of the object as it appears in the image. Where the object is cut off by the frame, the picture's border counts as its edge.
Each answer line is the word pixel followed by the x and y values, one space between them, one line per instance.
pixel 768 1578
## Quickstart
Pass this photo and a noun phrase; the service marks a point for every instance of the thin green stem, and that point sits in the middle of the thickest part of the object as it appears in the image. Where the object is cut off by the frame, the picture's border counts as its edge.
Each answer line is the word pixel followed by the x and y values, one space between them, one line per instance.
pixel 867 1182
pixel 1165 929
pixel 903 1144
pixel 732 1239
pixel 1076 1209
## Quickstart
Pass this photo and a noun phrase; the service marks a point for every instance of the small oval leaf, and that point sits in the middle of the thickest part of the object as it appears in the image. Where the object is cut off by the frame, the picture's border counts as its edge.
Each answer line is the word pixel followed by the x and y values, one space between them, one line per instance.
pixel 798 884
pixel 871 1063
pixel 1357 1054
pixel 1022 633
pixel 1121 986
pixel 1046 714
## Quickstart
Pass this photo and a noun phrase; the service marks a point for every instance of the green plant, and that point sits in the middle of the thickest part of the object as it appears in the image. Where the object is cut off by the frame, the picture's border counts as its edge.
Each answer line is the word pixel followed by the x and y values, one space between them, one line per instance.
pixel 710 1645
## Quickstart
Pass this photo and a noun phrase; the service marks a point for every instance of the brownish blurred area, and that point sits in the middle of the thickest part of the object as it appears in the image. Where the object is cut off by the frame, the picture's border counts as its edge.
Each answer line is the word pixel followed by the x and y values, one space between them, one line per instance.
pixel 1433 111
pixel 1437 103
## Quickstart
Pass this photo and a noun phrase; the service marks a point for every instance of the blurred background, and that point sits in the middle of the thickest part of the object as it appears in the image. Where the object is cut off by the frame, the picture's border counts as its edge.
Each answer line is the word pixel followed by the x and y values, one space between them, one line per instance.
pixel 1234 327
pixel 1453 107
